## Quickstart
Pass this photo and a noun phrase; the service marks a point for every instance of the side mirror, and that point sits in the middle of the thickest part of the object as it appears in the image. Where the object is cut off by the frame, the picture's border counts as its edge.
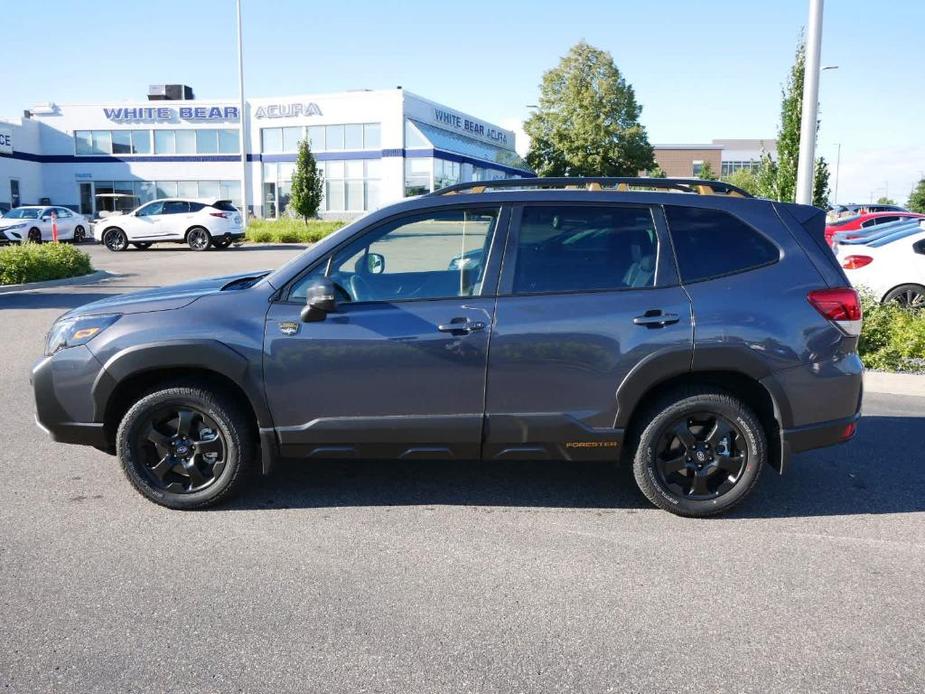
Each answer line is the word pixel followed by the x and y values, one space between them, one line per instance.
pixel 46 218
pixel 320 300
pixel 375 263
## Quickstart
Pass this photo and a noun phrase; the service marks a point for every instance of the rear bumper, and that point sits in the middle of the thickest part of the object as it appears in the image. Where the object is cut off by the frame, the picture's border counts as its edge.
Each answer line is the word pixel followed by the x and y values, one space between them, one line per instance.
pixel 820 435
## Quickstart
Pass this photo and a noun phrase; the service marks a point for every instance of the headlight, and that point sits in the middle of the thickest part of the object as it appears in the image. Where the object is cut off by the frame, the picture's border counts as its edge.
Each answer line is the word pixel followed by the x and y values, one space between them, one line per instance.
pixel 75 331
pixel 15 226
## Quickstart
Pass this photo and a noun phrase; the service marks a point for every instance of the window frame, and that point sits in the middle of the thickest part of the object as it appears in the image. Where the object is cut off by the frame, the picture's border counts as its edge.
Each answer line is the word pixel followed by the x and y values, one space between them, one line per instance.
pixel 666 271
pixel 490 278
pixel 710 278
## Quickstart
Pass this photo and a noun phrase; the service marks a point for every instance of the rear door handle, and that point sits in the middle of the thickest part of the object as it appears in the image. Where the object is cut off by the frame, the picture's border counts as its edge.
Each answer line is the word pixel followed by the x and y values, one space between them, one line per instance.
pixel 656 319
pixel 461 326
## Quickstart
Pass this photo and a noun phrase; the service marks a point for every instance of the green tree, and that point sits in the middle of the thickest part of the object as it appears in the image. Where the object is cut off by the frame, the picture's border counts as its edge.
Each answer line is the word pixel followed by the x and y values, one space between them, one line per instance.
pixel 884 200
pixel 821 183
pixel 307 184
pixel 587 123
pixel 656 172
pixel 746 179
pixel 778 179
pixel 916 202
pixel 706 171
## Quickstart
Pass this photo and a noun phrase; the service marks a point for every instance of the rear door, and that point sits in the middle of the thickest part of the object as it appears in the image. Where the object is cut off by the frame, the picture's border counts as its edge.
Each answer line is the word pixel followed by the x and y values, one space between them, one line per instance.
pixel 175 219
pixel 588 291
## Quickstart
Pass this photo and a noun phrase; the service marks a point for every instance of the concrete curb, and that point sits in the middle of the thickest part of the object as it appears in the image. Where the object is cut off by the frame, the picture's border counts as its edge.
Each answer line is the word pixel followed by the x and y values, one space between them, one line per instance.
pixel 68 281
pixel 894 383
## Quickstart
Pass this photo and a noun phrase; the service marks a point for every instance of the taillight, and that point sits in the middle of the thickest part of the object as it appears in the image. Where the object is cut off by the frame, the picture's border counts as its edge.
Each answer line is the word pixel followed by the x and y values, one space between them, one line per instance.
pixel 853 262
pixel 223 215
pixel 841 306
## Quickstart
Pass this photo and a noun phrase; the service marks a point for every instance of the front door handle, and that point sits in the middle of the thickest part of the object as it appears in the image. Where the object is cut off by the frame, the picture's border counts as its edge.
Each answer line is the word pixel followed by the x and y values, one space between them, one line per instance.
pixel 656 319
pixel 461 326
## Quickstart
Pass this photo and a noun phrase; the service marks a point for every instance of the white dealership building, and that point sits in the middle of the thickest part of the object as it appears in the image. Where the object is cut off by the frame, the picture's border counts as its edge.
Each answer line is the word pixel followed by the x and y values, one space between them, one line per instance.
pixel 374 147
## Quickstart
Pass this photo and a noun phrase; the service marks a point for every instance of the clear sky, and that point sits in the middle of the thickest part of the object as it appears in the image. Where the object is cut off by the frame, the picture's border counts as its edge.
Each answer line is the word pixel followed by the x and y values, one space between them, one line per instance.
pixel 701 69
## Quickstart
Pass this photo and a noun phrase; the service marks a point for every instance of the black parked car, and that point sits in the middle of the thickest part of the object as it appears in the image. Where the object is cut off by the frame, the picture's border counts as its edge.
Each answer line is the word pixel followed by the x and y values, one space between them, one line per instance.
pixel 696 337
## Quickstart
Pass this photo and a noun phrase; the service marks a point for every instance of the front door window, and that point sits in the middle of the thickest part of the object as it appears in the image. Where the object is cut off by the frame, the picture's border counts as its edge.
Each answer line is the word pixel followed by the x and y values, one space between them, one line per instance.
pixel 428 256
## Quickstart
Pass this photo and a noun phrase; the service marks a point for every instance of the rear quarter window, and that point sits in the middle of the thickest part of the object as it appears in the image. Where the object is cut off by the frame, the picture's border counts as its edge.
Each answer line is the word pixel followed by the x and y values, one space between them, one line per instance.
pixel 712 243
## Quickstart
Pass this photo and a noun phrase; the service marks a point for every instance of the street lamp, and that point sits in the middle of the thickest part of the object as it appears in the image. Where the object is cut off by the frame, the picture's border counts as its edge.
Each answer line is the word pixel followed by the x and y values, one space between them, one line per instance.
pixel 804 190
pixel 242 119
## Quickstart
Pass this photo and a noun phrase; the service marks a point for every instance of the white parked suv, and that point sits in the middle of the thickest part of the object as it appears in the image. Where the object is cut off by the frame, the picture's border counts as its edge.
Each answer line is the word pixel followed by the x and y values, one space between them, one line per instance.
pixel 199 223
pixel 894 270
pixel 34 223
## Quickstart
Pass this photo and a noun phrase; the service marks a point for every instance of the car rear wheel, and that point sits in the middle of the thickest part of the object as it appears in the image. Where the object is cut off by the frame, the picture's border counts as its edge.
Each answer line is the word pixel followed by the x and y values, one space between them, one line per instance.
pixel 115 239
pixel 907 296
pixel 80 235
pixel 198 239
pixel 699 452
pixel 186 447
pixel 35 235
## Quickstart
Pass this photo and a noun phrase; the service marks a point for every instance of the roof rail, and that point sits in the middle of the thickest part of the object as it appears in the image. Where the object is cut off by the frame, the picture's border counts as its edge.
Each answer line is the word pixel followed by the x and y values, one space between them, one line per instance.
pixel 677 185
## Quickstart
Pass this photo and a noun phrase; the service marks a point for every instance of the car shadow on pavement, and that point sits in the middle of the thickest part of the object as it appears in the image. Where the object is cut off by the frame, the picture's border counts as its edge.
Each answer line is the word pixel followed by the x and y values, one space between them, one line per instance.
pixel 43 299
pixel 874 474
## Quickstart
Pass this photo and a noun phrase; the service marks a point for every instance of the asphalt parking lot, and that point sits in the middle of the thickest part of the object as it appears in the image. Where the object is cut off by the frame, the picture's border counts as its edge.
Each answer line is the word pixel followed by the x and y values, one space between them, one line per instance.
pixel 440 577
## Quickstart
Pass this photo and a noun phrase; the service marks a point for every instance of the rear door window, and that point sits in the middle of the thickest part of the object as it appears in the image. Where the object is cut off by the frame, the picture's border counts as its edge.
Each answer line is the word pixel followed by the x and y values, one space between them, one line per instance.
pixel 712 243
pixel 176 207
pixel 585 248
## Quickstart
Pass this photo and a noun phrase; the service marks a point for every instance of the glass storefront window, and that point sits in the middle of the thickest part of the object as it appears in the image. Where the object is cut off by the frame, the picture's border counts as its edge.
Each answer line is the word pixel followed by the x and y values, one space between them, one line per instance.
pixel 206 142
pixel 334 195
pixel 316 137
pixel 334 137
pixel 186 141
pixel 231 190
pixel 141 142
pixel 353 136
pixel 353 168
pixel 101 142
pixel 146 191
pixel 121 141
pixel 413 136
pixel 371 136
pixel 334 169
pixel 187 189
pixel 228 141
pixel 164 142
pixel 272 140
pixel 83 142
pixel 418 171
pixel 209 189
pixel 166 189
pixel 291 137
pixel 372 195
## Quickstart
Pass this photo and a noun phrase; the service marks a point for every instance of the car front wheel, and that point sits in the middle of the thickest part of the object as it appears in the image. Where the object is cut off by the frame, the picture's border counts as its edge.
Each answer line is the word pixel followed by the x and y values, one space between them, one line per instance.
pixel 79 235
pixel 907 296
pixel 115 240
pixel 186 447
pixel 699 452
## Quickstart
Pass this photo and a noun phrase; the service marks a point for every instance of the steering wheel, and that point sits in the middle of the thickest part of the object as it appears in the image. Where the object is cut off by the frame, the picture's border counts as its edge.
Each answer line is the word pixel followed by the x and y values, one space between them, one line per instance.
pixel 360 288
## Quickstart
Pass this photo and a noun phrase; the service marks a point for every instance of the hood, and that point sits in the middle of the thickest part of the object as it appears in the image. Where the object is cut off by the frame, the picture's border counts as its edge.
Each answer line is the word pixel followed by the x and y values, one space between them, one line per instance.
pixel 167 298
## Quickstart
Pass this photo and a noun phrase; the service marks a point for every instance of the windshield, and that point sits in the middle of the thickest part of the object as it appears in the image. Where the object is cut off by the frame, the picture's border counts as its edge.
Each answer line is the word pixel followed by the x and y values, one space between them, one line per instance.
pixel 23 213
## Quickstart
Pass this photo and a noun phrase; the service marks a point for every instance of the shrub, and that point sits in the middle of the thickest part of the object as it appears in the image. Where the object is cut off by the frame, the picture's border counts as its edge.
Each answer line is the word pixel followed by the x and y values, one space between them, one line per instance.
pixel 289 230
pixel 893 338
pixel 32 262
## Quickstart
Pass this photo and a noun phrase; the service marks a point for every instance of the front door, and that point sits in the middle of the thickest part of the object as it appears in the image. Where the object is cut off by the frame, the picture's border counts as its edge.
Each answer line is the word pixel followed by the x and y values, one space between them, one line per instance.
pixel 588 292
pixel 398 370
pixel 145 224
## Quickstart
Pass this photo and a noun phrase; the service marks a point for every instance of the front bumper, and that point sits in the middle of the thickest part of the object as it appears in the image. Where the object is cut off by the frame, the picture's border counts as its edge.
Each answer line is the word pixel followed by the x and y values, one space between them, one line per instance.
pixel 62 384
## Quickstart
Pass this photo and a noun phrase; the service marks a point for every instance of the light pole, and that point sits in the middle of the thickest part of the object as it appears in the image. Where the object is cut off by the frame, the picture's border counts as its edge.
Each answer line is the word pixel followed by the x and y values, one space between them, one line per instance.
pixel 804 192
pixel 242 119
pixel 837 165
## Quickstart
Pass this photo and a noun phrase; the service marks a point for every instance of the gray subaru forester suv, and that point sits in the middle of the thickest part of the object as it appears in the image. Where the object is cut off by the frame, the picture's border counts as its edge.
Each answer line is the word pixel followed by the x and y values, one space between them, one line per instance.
pixel 679 326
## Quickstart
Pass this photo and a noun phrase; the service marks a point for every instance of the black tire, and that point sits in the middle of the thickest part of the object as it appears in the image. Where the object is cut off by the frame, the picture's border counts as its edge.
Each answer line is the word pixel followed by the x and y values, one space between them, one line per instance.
pixel 144 447
pixel 221 243
pixel 907 296
pixel 198 239
pixel 115 239
pixel 80 234
pixel 34 235
pixel 715 472
pixel 142 245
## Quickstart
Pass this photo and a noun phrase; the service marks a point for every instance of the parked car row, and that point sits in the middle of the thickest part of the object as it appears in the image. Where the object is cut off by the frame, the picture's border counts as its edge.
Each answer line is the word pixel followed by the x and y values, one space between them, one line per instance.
pixel 886 259
pixel 201 224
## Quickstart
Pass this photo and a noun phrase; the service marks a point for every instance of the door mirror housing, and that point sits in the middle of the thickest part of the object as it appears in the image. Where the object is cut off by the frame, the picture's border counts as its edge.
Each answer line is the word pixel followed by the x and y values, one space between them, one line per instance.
pixel 320 300
pixel 375 263
pixel 46 218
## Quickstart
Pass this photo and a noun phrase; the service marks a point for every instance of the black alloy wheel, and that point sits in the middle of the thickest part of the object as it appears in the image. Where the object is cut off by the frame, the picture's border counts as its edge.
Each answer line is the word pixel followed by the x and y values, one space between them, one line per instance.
pixel 35 235
pixel 908 296
pixel 183 449
pixel 79 235
pixel 700 456
pixel 115 240
pixel 198 239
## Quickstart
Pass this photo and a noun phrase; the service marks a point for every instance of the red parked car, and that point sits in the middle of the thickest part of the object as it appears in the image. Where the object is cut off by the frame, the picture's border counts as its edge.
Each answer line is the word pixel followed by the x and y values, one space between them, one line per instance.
pixel 864 221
